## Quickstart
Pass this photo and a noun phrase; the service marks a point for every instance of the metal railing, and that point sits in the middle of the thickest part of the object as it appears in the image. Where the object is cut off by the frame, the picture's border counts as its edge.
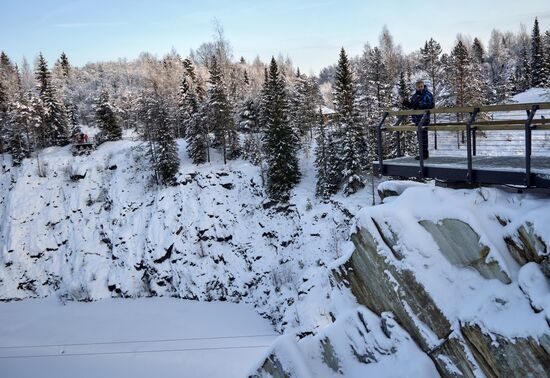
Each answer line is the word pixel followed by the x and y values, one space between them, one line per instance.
pixel 471 126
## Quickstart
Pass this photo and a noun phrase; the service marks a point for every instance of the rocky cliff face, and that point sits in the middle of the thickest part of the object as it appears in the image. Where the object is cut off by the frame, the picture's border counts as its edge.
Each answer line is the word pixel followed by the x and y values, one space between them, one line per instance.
pixel 465 280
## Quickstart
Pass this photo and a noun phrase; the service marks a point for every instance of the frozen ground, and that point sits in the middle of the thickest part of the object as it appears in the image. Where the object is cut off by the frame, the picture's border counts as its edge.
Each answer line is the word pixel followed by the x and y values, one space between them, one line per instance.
pixel 162 337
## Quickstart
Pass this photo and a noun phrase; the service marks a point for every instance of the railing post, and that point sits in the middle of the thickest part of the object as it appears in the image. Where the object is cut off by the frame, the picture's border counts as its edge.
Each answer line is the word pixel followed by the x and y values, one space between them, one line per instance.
pixel 531 115
pixel 472 119
pixel 398 133
pixel 379 140
pixel 421 142
pixel 399 154
pixel 474 141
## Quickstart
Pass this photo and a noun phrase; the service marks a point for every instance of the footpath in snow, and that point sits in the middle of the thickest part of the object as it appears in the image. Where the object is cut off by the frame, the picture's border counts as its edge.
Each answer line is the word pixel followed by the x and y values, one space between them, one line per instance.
pixel 145 337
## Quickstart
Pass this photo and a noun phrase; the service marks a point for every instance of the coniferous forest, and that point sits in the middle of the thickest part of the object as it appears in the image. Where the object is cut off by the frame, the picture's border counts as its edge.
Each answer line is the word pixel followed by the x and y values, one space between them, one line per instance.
pixel 264 112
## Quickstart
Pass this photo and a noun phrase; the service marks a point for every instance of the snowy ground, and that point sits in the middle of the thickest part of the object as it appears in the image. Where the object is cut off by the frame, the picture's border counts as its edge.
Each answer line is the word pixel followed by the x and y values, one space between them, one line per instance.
pixel 144 337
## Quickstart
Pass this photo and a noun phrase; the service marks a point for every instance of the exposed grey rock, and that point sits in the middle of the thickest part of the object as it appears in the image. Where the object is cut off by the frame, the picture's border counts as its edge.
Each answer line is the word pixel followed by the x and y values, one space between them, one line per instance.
pixel 383 194
pixel 460 244
pixel 271 367
pixel 368 273
pixel 452 358
pixel 545 267
pixel 379 286
pixel 329 355
pixel 526 246
pixel 501 357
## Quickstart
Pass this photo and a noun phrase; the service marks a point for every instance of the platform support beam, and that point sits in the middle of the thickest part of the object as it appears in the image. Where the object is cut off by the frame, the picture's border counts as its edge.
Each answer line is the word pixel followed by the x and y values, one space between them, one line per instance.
pixel 472 119
pixel 379 143
pixel 474 141
pixel 528 128
pixel 419 127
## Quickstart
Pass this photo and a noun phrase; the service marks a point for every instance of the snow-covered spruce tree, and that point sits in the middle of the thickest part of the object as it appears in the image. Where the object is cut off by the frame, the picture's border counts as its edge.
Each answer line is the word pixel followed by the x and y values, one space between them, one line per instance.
pixel 55 128
pixel 262 120
pixel 4 119
pixel 546 43
pixel 248 116
pixel 105 118
pixel 521 77
pixel 539 74
pixel 281 143
pixel 403 89
pixel 353 146
pixel 218 115
pixel 186 106
pixel 189 69
pixel 305 99
pixel 196 132
pixel 369 113
pixel 379 79
pixel 409 145
pixel 198 138
pixel 379 84
pixel 155 129
pixel 9 74
pixel 326 162
pixel 249 125
pixel 62 79
pixel 460 74
pixel 72 121
pixel 501 67
pixel 167 157
pixel 65 65
pixel 477 81
pixel 23 119
pixel 430 59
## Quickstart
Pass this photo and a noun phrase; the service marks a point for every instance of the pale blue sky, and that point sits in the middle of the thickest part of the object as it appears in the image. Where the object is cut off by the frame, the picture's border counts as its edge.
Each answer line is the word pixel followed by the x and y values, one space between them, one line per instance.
pixel 310 32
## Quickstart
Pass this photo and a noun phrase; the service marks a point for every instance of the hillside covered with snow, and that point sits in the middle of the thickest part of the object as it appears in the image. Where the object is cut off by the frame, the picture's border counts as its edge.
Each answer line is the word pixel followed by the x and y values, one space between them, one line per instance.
pixel 94 227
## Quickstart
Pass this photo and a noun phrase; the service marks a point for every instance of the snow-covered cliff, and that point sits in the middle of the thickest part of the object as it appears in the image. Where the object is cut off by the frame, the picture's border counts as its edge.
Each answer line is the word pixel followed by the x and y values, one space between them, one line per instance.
pixel 434 281
pixel 90 227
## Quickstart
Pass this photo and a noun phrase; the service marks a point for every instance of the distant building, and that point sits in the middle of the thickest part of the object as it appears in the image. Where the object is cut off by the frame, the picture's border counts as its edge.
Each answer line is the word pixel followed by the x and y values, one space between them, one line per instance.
pixel 328 113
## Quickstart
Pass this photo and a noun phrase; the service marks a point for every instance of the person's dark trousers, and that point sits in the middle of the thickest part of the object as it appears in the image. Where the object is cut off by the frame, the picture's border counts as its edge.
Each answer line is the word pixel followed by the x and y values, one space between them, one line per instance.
pixel 424 136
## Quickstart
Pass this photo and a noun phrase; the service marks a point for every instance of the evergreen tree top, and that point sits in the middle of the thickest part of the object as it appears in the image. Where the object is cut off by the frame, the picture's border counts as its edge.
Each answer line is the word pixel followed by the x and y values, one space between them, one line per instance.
pixel 65 65
pixel 460 53
pixel 345 92
pixel 4 60
pixel 477 50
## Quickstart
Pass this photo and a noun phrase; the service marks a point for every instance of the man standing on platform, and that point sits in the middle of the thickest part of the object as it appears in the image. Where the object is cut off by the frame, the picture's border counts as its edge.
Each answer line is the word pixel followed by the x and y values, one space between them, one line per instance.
pixel 422 99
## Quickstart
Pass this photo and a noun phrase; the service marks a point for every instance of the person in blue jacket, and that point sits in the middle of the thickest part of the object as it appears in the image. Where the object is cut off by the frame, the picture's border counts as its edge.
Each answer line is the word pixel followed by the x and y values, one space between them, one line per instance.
pixel 421 99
